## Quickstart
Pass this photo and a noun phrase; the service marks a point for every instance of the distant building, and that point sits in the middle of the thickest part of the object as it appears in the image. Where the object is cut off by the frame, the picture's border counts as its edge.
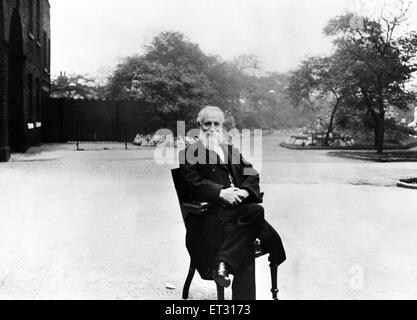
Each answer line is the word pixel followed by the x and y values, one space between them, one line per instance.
pixel 25 52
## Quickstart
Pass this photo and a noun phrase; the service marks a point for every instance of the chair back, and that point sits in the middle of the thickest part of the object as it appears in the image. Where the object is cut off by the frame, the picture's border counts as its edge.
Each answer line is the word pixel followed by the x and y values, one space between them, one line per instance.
pixel 179 188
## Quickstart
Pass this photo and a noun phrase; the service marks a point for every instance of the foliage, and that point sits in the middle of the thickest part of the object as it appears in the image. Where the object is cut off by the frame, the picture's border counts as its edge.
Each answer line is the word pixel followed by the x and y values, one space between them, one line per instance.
pixel 76 87
pixel 382 63
pixel 321 82
pixel 367 73
pixel 177 78
pixel 170 76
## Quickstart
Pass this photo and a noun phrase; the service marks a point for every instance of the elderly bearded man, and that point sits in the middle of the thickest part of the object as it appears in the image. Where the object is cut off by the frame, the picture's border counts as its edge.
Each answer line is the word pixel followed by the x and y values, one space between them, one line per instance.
pixel 215 172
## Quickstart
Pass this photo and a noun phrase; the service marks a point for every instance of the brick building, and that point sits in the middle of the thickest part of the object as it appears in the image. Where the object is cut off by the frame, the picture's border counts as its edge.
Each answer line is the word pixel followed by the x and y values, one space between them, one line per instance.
pixel 25 48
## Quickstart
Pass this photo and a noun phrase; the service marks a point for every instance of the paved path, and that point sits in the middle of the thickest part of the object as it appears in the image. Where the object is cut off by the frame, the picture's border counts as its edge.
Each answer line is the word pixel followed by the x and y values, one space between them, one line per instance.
pixel 106 225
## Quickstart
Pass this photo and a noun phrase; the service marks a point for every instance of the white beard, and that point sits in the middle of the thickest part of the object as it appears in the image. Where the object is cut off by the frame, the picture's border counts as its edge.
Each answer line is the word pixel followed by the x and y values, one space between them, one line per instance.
pixel 211 140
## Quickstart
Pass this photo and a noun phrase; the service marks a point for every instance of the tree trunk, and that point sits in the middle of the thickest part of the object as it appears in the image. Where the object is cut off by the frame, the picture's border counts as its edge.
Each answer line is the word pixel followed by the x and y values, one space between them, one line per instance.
pixel 376 128
pixel 330 129
pixel 381 133
pixel 381 121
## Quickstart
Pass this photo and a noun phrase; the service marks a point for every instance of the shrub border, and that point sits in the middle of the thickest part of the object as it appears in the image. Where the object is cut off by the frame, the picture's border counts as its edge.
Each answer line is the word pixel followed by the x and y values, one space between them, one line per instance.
pixel 408 183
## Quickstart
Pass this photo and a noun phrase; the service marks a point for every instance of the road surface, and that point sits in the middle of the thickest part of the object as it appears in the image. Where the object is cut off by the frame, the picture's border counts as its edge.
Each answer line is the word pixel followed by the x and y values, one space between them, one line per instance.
pixel 105 224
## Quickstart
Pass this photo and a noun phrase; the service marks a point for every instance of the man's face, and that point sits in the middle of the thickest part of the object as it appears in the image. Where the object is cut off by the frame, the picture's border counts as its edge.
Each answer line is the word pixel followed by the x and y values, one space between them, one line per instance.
pixel 212 123
pixel 212 130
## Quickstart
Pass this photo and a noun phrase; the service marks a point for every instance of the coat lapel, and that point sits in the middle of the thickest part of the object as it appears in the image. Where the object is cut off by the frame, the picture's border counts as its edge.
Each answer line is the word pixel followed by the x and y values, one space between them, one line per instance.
pixel 226 157
pixel 212 157
pixel 228 154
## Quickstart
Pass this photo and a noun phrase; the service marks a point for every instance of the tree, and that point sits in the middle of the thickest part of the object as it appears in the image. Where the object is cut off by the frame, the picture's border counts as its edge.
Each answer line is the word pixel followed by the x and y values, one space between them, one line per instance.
pixel 176 77
pixel 228 83
pixel 265 104
pixel 76 86
pixel 321 80
pixel 369 69
pixel 171 76
pixel 247 64
pixel 269 95
pixel 382 62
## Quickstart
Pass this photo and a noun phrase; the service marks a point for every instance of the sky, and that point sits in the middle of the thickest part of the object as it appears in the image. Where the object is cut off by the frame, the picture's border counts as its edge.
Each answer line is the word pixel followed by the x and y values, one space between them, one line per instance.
pixel 91 36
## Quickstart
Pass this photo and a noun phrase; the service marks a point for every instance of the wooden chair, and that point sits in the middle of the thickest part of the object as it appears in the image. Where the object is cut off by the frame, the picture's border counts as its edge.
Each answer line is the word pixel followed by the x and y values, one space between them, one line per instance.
pixel 259 250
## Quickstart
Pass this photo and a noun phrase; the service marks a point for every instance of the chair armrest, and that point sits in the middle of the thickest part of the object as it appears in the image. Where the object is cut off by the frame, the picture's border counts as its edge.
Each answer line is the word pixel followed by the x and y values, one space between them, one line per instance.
pixel 259 248
pixel 195 207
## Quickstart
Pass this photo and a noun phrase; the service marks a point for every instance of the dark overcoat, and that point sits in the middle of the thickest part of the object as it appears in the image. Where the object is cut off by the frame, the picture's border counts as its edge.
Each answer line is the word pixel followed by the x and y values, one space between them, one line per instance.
pixel 204 175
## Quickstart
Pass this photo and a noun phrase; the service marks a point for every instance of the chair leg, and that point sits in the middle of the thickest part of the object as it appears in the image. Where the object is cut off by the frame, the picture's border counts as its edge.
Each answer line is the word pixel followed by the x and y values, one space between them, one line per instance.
pixel 220 293
pixel 274 280
pixel 187 284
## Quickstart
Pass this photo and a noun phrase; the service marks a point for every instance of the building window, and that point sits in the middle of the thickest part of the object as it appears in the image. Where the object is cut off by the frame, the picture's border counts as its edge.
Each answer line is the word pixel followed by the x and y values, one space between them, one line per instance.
pixel 31 14
pixel 30 97
pixel 38 19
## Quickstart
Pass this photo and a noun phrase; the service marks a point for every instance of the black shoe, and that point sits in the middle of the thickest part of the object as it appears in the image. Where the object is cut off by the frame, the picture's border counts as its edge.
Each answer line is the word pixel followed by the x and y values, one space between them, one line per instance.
pixel 221 275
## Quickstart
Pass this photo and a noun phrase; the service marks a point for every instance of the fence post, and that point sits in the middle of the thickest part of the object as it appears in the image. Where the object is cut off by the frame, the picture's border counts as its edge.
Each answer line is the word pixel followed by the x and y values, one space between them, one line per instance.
pixel 78 126
pixel 78 135
pixel 118 120
pixel 126 135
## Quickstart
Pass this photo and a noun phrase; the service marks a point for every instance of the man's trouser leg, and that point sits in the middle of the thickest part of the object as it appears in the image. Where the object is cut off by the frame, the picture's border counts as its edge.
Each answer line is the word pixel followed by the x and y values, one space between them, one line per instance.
pixel 273 243
pixel 244 284
pixel 240 229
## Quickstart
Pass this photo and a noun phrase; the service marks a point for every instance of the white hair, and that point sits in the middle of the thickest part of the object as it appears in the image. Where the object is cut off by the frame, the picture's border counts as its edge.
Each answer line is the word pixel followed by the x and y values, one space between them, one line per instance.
pixel 203 113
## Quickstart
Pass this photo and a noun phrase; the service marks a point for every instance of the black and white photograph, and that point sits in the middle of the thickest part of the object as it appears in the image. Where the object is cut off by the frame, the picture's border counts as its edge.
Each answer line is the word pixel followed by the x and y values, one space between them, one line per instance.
pixel 208 150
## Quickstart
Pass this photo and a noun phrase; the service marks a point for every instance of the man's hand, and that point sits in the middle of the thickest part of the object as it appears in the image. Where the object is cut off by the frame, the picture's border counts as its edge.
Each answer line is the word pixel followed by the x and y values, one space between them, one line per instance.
pixel 231 196
pixel 243 194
